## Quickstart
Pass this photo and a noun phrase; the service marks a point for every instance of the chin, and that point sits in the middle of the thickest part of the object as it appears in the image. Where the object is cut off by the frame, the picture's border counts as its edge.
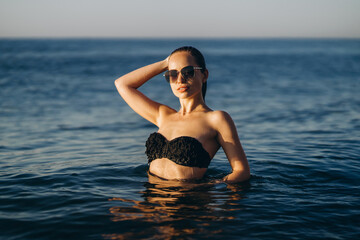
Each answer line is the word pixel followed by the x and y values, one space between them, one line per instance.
pixel 184 96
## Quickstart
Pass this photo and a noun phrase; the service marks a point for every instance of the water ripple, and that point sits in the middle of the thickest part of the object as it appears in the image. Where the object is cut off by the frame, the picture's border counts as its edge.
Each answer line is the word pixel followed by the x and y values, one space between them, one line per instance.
pixel 72 162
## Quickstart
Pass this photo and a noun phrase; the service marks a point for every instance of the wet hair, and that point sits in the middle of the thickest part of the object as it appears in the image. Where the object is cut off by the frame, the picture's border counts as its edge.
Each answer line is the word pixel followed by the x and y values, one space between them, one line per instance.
pixel 200 60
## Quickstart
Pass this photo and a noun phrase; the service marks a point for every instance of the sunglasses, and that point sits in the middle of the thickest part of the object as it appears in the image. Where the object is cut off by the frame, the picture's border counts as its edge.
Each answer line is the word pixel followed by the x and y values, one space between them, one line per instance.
pixel 186 73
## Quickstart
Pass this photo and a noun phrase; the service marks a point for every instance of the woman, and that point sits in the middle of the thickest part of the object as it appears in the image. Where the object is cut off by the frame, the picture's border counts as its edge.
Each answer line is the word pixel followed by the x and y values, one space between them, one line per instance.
pixel 187 139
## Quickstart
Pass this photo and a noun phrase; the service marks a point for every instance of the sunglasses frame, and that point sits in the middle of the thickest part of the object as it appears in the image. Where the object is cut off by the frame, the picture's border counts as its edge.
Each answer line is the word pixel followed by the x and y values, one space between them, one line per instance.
pixel 177 75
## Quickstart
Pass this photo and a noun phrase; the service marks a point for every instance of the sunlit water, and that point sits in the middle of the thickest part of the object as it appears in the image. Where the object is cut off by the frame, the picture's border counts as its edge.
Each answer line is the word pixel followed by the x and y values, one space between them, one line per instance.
pixel 72 162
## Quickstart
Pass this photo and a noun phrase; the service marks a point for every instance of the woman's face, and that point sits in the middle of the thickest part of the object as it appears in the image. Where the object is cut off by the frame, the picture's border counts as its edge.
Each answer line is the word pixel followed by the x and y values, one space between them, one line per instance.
pixel 185 88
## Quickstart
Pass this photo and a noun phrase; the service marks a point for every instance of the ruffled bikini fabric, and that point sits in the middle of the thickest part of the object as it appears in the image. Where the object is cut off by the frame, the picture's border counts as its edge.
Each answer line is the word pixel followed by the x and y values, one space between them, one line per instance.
pixel 185 151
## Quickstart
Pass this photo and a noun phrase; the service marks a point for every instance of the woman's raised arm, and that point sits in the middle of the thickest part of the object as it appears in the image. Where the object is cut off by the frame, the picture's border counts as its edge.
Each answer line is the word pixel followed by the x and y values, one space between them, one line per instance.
pixel 128 84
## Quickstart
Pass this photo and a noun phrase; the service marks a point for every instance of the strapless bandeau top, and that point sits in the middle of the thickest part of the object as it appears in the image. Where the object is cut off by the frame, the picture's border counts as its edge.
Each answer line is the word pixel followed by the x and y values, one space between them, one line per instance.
pixel 185 151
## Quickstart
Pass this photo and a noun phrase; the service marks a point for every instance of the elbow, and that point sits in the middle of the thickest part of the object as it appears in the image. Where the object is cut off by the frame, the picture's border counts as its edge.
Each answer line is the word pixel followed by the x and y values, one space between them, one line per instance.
pixel 117 82
pixel 119 85
pixel 123 85
pixel 247 175
pixel 243 176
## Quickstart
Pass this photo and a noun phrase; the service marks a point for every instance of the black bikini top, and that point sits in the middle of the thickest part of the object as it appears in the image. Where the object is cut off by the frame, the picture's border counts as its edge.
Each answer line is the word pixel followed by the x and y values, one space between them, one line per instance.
pixel 186 151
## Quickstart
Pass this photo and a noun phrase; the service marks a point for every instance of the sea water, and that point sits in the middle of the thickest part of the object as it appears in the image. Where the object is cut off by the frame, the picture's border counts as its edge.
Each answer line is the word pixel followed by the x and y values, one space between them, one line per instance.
pixel 72 162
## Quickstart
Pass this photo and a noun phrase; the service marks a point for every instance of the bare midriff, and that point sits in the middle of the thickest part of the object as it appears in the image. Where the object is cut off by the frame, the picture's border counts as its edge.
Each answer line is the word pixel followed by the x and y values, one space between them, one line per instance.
pixel 167 169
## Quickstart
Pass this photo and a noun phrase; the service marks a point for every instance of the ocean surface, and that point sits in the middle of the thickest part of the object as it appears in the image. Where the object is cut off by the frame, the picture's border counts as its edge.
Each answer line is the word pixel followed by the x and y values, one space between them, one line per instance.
pixel 72 162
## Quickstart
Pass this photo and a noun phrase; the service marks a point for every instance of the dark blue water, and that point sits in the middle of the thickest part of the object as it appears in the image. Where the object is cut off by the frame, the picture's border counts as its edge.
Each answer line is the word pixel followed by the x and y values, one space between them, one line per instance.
pixel 72 162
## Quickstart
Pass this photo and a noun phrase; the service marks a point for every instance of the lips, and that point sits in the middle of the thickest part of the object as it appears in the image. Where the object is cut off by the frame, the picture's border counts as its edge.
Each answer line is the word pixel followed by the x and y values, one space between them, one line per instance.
pixel 182 88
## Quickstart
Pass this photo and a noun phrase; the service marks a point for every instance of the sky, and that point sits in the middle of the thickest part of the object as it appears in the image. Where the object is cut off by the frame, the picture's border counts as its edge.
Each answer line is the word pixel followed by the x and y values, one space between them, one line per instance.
pixel 185 18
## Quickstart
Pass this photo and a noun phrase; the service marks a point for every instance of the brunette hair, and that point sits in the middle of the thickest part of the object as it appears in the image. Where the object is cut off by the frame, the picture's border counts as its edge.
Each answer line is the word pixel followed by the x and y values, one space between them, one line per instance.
pixel 200 60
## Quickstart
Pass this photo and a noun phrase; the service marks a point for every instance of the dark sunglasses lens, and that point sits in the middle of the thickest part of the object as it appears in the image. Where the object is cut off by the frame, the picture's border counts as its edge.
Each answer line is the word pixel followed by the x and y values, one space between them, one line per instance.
pixel 187 72
pixel 171 75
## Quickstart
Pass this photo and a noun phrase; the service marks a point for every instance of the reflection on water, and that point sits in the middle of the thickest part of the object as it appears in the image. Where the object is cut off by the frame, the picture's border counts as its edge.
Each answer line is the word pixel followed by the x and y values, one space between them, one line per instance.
pixel 178 209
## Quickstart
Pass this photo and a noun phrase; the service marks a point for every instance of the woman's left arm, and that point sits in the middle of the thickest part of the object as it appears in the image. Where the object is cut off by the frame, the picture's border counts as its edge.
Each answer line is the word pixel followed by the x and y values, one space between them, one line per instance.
pixel 230 142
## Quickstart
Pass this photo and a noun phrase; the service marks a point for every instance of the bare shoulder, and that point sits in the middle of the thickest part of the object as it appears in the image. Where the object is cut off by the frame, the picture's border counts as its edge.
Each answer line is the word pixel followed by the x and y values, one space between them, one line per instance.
pixel 220 118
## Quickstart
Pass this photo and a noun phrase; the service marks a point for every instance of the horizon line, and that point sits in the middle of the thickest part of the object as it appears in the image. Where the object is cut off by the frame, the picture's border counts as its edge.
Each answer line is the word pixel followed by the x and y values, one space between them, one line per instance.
pixel 170 38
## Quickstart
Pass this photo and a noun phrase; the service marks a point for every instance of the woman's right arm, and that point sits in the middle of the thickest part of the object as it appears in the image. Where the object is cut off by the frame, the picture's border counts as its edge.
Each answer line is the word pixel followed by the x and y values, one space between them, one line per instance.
pixel 128 84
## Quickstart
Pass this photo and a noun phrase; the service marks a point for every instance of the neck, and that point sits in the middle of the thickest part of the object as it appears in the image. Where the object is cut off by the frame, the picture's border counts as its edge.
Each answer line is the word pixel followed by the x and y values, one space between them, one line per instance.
pixel 190 105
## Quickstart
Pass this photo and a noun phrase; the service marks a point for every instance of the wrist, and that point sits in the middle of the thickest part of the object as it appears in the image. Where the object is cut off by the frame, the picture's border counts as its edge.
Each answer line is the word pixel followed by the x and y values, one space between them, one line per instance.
pixel 237 176
pixel 165 64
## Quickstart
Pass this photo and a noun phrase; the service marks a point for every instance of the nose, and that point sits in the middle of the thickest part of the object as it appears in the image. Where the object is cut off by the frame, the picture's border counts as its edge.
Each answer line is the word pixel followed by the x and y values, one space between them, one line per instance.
pixel 182 79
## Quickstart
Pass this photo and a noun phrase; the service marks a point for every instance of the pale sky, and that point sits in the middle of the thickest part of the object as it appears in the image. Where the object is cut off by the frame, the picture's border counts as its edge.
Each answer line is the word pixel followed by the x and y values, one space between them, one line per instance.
pixel 186 18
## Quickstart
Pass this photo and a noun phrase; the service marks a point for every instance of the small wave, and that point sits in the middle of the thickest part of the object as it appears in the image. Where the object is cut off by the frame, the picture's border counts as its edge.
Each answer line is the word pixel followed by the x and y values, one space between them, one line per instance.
pixel 79 128
pixel 20 148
